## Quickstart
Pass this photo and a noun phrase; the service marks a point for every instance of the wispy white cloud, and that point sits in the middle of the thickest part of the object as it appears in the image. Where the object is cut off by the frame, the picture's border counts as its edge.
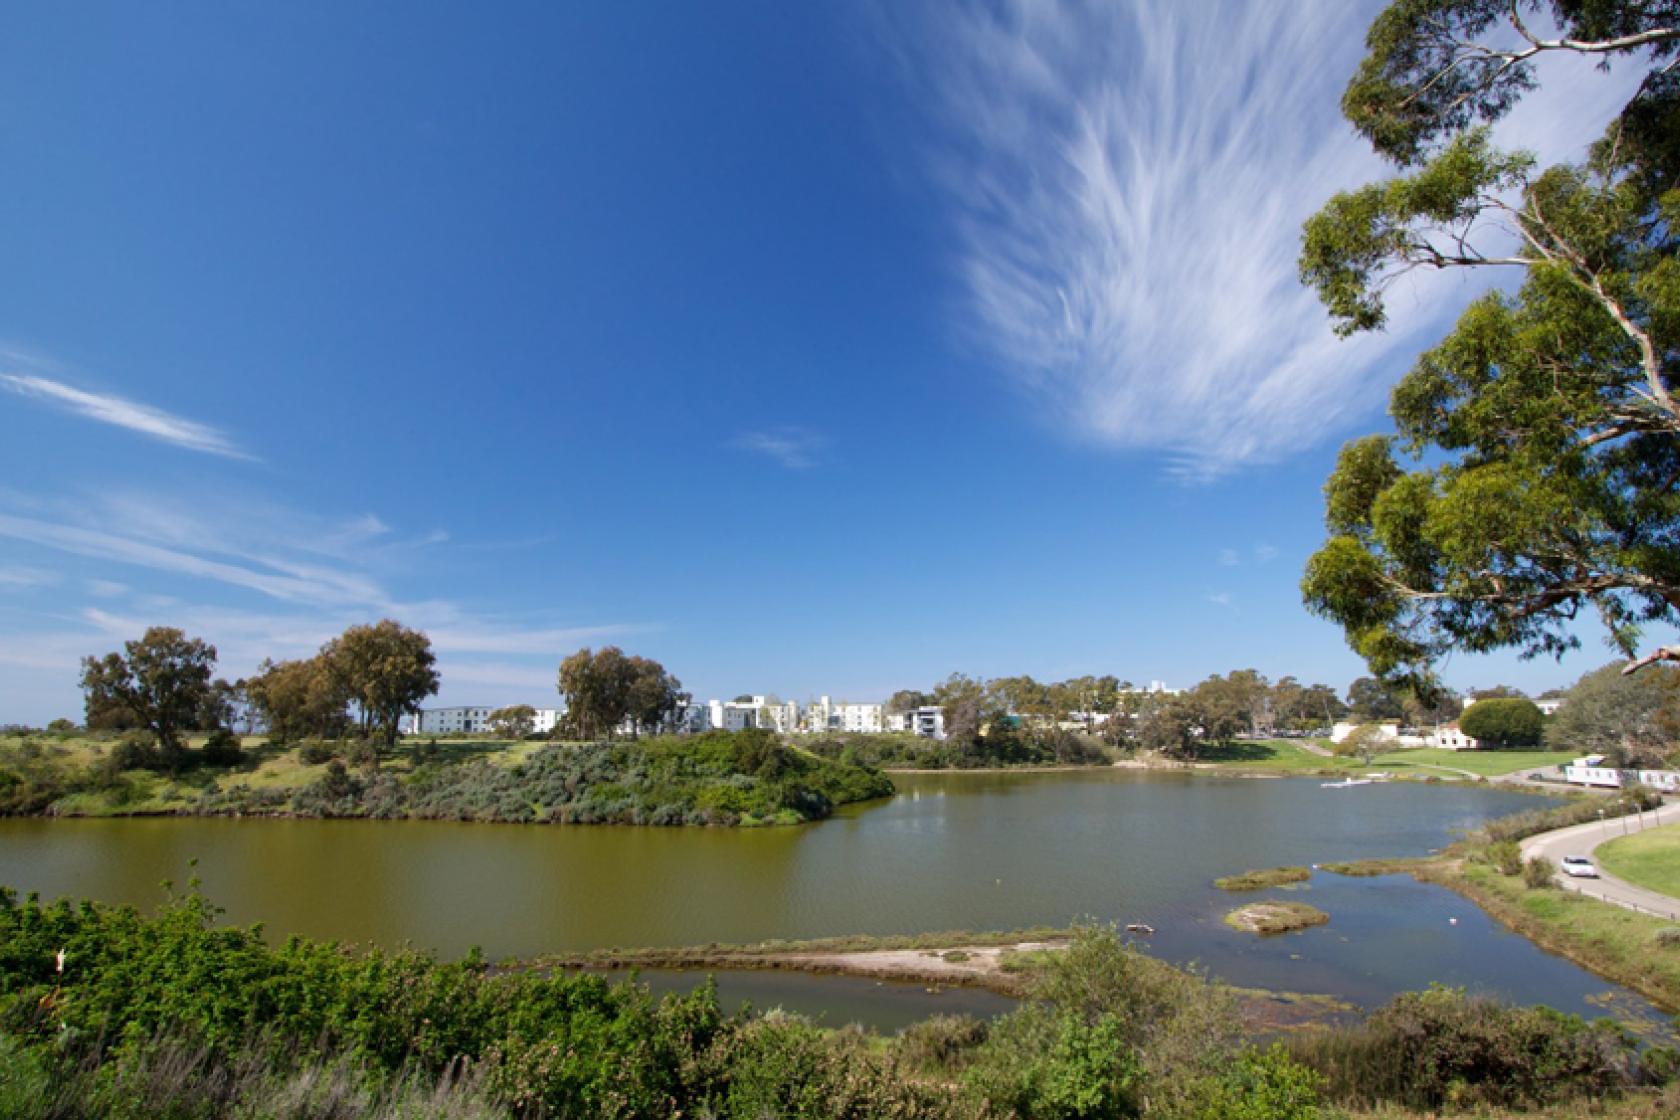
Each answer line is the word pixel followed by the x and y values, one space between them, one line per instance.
pixel 277 578
pixel 794 448
pixel 17 579
pixel 1264 553
pixel 124 413
pixel 1129 182
pixel 106 588
pixel 1219 598
pixel 1228 558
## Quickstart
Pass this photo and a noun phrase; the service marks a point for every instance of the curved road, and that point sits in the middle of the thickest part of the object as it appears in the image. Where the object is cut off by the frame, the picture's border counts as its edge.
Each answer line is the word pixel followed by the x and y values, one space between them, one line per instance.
pixel 1583 839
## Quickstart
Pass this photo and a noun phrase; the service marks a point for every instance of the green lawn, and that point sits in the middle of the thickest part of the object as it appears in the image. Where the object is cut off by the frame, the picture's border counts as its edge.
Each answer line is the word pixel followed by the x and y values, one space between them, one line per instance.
pixel 1650 859
pixel 1288 755
pixel 1273 754
pixel 1486 763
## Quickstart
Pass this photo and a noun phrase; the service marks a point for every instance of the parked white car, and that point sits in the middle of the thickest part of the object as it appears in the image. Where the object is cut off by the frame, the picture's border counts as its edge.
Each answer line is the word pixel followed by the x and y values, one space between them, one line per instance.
pixel 1580 867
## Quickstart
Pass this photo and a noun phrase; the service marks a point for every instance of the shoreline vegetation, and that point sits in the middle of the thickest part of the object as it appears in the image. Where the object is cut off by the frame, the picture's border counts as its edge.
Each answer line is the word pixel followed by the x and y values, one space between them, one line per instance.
pixel 1274 916
pixel 743 778
pixel 1258 880
pixel 669 780
pixel 1639 951
pixel 98 1017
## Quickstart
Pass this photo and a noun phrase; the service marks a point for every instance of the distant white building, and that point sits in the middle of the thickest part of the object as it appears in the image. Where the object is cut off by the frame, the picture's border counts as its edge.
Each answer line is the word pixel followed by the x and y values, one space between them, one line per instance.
pixel 470 721
pixel 757 711
pixel 1451 737
pixel 826 715
pixel 927 722
pixel 1386 728
pixel 1549 705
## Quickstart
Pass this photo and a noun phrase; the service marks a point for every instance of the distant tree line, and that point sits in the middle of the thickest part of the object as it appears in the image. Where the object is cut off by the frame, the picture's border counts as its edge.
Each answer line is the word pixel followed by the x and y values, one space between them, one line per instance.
pixel 163 684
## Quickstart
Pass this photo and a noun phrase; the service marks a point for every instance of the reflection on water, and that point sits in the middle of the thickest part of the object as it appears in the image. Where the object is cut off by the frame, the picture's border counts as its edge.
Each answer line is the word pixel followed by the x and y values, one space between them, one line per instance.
pixel 957 851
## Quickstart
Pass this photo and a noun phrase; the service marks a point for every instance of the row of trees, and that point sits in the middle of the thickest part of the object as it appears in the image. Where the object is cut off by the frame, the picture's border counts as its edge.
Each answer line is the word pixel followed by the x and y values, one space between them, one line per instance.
pixel 367 678
pixel 1252 702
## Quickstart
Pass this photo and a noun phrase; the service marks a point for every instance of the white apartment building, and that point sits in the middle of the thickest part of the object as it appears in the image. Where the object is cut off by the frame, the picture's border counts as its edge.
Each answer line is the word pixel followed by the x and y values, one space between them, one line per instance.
pixel 470 721
pixel 826 715
pixel 758 711
pixel 927 722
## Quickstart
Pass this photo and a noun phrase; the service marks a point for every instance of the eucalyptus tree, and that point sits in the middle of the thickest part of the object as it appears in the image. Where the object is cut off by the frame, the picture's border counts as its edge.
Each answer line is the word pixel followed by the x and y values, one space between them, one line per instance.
pixel 162 681
pixel 1635 720
pixel 299 698
pixel 387 669
pixel 1534 473
pixel 514 721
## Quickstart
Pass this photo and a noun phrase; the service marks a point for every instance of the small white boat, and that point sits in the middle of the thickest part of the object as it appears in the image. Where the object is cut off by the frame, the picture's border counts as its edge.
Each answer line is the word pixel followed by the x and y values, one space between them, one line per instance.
pixel 1346 782
pixel 1144 928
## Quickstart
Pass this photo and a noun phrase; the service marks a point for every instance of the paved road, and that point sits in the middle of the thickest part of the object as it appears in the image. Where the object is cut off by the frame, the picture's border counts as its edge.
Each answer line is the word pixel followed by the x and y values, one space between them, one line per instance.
pixel 1583 839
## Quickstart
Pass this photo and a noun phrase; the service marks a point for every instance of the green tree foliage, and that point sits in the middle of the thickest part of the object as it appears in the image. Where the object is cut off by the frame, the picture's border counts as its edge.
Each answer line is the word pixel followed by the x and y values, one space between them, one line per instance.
pixel 654 695
pixel 968 706
pixel 1298 707
pixel 514 721
pixel 300 698
pixel 1369 698
pixel 386 669
pixel 1634 721
pixel 1364 742
pixel 1169 724
pixel 1534 471
pixel 907 700
pixel 1503 722
pixel 605 689
pixel 163 679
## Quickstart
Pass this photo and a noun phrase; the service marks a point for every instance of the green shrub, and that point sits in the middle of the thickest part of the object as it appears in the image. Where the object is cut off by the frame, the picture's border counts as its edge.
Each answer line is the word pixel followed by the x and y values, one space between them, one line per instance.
pixel 1539 873
pixel 136 750
pixel 943 1043
pixel 314 752
pixel 362 754
pixel 1506 857
pixel 1429 1050
pixel 221 749
pixel 1669 938
pixel 1259 1085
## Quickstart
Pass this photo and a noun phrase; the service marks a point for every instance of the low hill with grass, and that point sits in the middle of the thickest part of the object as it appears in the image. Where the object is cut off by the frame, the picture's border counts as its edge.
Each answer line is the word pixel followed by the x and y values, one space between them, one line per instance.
pixel 719 778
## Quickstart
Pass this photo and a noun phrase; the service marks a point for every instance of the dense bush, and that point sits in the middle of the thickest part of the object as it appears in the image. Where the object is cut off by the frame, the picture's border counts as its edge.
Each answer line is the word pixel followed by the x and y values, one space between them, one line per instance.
pixel 745 777
pixel 1506 856
pixel 1504 722
pixel 221 749
pixel 1439 1048
pixel 136 750
pixel 1520 826
pixel 192 1019
pixel 1539 873
pixel 314 752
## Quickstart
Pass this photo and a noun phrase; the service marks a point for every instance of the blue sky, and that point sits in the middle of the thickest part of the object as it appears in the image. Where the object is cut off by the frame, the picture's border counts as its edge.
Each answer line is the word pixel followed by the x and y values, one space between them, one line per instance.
pixel 817 348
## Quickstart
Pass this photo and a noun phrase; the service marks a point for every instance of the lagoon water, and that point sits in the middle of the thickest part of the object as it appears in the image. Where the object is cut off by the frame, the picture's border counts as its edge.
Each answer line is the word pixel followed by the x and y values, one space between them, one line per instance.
pixel 951 851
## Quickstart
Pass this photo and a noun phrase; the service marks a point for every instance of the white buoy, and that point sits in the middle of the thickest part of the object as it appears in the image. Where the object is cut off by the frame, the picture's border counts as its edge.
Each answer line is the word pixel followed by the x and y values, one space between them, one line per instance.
pixel 1452 921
